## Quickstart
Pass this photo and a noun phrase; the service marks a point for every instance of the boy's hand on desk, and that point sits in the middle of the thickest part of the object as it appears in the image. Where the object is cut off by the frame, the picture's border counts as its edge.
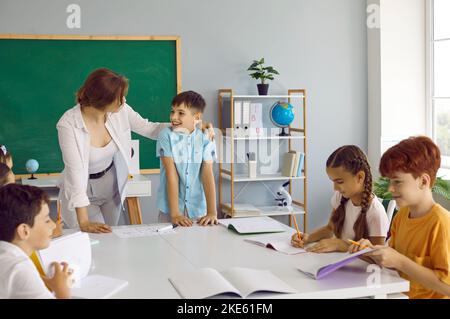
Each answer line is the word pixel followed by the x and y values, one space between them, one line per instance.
pixel 61 281
pixel 89 227
pixel 181 220
pixel 299 242
pixel 208 219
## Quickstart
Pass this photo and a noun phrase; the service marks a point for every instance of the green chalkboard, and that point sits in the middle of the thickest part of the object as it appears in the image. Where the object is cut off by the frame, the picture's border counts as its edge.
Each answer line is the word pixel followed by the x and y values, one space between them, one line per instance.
pixel 39 78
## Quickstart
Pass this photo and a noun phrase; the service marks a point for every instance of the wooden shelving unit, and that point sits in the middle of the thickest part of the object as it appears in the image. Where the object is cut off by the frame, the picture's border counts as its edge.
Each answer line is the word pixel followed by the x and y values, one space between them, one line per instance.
pixel 228 139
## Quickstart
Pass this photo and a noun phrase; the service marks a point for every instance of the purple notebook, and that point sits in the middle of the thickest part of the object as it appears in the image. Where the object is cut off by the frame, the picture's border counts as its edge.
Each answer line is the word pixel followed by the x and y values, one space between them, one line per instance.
pixel 318 266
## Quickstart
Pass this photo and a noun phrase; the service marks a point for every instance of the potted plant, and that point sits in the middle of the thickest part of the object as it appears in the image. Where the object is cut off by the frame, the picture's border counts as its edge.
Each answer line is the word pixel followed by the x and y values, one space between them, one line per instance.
pixel 263 73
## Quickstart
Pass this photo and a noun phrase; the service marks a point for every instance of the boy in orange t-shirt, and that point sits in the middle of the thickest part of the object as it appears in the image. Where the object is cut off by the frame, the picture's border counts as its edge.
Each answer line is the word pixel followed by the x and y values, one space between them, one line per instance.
pixel 419 247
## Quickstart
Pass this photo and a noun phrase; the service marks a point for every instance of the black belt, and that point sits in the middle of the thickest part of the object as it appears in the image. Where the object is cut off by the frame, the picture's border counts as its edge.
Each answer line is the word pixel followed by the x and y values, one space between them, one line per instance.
pixel 102 173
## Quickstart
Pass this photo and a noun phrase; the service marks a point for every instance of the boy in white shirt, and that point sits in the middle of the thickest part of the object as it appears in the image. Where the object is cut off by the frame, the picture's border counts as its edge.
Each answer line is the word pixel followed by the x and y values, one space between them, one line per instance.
pixel 25 226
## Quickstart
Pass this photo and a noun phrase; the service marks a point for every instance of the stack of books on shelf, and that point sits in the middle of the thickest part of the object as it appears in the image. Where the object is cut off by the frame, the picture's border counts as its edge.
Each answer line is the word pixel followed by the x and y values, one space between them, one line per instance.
pixel 293 163
pixel 245 210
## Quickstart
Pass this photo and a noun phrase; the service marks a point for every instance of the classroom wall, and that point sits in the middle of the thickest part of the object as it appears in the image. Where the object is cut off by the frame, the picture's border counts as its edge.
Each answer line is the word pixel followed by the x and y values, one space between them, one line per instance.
pixel 397 75
pixel 319 45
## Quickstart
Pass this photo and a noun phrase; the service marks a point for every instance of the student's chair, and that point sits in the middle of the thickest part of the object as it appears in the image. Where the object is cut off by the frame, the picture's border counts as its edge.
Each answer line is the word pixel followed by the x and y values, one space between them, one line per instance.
pixel 391 209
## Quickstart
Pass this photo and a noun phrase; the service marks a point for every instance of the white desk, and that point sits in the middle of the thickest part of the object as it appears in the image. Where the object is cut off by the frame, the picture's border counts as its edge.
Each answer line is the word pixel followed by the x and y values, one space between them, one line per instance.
pixel 146 263
pixel 138 186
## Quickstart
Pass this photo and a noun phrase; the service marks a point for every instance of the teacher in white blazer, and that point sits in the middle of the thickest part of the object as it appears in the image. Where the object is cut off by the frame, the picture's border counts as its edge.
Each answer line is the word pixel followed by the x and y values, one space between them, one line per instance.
pixel 95 141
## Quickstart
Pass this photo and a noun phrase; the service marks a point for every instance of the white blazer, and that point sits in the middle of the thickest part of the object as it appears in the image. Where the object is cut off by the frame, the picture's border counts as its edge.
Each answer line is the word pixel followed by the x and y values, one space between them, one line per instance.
pixel 74 141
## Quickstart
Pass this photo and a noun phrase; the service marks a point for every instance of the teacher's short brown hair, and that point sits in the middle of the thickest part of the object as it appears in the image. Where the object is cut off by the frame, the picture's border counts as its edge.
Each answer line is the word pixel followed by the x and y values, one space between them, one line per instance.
pixel 101 88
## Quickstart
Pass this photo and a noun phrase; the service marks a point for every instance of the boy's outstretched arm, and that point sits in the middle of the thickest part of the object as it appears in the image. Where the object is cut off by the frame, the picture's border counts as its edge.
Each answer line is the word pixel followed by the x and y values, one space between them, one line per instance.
pixel 209 187
pixel 172 193
pixel 390 258
pixel 424 276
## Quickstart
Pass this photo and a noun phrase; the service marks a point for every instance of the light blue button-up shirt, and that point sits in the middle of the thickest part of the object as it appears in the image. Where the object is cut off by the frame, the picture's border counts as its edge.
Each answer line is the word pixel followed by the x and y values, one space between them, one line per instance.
pixel 188 153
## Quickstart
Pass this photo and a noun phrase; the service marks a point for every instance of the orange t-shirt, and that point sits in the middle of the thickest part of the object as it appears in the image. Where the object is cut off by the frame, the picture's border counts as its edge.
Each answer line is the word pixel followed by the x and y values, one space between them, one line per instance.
pixel 426 241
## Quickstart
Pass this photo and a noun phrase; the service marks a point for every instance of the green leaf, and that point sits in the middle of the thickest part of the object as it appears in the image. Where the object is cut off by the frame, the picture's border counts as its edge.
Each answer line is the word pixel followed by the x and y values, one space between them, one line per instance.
pixel 261 61
pixel 256 75
pixel 269 68
pixel 380 188
pixel 253 66
pixel 442 187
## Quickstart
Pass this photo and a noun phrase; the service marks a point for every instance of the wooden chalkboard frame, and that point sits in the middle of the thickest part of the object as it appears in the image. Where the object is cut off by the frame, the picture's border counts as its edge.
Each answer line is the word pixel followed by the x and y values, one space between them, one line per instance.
pixel 177 40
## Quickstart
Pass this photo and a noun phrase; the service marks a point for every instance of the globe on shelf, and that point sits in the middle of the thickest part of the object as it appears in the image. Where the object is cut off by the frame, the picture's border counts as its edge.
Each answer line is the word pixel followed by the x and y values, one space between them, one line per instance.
pixel 32 166
pixel 282 115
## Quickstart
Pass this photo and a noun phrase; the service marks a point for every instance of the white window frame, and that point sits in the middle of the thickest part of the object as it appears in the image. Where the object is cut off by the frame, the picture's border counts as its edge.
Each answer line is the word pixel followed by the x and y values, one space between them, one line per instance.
pixel 430 125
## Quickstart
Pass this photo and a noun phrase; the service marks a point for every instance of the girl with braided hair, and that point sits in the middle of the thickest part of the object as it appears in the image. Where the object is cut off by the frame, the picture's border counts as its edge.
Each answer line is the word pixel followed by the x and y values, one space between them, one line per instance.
pixel 357 213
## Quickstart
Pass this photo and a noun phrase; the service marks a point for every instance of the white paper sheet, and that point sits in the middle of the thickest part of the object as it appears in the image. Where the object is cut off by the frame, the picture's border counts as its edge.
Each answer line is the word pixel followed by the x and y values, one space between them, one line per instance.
pixel 135 231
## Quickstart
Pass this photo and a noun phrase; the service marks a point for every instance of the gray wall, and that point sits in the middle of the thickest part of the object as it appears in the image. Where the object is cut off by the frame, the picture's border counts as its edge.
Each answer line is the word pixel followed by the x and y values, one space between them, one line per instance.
pixel 319 45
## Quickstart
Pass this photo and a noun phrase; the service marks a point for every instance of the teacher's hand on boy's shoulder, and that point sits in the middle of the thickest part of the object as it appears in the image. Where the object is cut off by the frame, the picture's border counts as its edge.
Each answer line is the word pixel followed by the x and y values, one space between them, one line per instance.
pixel 181 220
pixel 208 219
pixel 210 128
pixel 90 227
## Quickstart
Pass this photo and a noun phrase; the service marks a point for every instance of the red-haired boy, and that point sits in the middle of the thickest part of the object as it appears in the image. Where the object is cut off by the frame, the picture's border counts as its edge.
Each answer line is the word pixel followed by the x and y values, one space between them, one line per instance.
pixel 419 247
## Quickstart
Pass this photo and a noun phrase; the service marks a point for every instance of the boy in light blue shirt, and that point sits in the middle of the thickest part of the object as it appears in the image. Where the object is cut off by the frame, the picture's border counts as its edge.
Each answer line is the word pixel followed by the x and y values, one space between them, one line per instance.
pixel 187 187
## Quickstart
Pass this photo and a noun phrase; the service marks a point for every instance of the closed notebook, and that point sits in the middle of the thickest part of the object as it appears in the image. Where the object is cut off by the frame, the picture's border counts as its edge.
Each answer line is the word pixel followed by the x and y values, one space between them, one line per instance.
pixel 75 249
pixel 253 225
pixel 301 164
pixel 245 210
pixel 240 282
pixel 318 266
pixel 288 164
pixel 296 163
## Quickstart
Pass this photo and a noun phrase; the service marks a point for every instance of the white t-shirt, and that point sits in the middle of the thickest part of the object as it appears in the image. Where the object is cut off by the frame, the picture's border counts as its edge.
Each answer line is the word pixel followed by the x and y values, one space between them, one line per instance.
pixel 19 278
pixel 101 157
pixel 377 220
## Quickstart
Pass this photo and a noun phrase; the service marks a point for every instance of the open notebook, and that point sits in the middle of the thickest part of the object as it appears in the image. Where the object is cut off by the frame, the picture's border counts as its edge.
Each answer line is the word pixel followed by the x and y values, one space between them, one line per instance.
pixel 278 242
pixel 318 266
pixel 75 249
pixel 242 282
pixel 253 225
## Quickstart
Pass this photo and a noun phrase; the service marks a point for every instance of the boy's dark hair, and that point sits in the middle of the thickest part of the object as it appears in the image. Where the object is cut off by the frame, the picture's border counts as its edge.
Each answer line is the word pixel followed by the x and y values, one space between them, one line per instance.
pixel 190 99
pixel 4 172
pixel 19 204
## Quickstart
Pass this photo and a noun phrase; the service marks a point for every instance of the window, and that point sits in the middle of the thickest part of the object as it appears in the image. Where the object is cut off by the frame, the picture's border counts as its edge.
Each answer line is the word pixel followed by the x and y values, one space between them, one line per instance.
pixel 439 76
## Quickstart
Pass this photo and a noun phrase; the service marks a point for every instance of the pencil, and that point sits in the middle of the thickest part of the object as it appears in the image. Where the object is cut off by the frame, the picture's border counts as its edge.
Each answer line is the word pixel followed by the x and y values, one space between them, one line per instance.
pixel 356 243
pixel 296 226
pixel 58 216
